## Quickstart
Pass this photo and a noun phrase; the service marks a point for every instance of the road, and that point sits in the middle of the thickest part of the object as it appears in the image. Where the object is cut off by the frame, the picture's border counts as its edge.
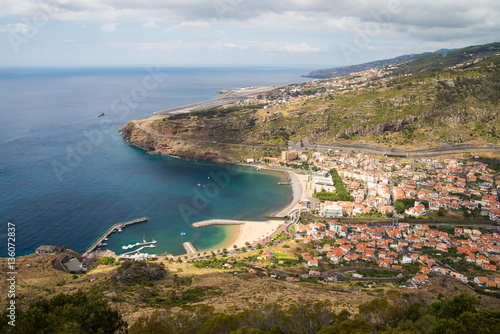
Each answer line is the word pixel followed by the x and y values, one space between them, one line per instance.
pixel 445 149
pixel 341 277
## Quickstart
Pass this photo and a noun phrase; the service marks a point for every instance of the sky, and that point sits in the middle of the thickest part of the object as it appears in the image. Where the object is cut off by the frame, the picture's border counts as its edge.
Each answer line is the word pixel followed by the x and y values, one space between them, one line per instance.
pixel 289 33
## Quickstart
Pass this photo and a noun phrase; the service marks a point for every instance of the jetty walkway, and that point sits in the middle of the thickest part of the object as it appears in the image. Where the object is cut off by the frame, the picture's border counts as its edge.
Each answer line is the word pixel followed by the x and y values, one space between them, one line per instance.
pixel 223 222
pixel 110 230
pixel 189 247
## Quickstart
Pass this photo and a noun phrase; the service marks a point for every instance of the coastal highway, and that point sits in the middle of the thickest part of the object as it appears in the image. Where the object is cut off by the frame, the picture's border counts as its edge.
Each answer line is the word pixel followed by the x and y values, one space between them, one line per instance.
pixel 233 97
pixel 445 149
pixel 340 276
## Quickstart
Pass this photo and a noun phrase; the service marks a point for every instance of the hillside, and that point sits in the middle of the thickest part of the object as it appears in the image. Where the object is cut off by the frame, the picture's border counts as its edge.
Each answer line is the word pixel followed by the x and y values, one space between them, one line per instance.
pixel 134 291
pixel 346 70
pixel 451 58
pixel 458 104
pixel 414 62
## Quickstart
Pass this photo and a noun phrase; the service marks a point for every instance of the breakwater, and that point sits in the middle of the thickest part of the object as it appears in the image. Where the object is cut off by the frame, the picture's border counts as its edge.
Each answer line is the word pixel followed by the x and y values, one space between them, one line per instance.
pixel 111 230
pixel 189 247
pixel 211 222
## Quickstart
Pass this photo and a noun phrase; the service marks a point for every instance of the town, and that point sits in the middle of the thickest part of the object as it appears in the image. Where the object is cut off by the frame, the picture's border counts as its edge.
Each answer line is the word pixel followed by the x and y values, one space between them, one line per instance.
pixel 417 217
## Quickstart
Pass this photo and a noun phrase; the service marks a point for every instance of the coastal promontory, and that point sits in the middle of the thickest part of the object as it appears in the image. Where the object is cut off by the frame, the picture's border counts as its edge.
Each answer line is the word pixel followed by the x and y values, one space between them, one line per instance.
pixel 424 103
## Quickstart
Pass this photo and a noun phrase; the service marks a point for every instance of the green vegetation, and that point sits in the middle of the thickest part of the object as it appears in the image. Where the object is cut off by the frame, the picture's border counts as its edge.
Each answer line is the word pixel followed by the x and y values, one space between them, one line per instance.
pixel 326 196
pixel 435 61
pixel 194 295
pixel 72 313
pixel 138 272
pixel 376 273
pixel 339 186
pixel 391 314
pixel 340 193
pixel 402 204
pixel 216 263
pixel 494 165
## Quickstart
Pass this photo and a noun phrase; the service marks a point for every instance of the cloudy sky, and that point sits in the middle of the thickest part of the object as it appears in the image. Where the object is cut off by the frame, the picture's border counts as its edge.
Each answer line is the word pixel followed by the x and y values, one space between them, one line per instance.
pixel 305 33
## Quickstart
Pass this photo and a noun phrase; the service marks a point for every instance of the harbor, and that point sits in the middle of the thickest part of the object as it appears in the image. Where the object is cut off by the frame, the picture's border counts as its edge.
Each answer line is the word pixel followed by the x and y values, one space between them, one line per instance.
pixel 114 228
pixel 139 249
pixel 143 243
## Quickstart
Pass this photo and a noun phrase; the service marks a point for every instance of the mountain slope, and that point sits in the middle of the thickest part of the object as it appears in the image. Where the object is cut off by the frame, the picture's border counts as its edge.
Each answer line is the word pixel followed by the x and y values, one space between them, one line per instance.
pixel 346 70
pixel 425 109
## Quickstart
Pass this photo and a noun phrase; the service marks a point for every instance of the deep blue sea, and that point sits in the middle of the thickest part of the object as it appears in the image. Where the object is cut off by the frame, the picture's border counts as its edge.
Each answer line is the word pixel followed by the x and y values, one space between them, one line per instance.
pixel 67 175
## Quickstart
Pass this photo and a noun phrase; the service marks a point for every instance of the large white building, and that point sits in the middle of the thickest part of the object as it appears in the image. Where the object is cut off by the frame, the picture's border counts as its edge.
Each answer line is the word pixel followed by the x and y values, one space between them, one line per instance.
pixel 332 211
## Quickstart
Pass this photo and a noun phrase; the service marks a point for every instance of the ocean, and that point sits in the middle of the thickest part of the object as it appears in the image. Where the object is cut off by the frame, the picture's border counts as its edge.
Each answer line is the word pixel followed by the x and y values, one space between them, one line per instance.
pixel 67 175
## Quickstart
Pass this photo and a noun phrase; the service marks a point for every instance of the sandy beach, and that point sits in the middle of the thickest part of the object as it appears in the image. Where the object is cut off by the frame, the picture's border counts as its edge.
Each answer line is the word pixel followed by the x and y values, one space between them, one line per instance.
pixel 253 232
pixel 297 192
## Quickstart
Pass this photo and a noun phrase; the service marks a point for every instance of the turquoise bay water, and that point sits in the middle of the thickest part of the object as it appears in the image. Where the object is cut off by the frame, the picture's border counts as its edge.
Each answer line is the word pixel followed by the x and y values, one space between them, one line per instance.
pixel 66 175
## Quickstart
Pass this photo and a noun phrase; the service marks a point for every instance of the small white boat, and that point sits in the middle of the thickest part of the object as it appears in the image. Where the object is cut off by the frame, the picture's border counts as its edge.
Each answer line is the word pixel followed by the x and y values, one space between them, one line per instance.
pixel 120 230
pixel 183 233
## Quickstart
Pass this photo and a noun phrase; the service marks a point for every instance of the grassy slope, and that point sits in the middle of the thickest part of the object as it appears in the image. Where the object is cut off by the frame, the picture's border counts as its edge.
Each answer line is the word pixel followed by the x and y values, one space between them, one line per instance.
pixel 219 288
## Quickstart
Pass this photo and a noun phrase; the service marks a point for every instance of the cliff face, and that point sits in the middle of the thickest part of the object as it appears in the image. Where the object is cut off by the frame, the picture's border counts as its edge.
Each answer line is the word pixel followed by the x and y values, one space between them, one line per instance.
pixel 186 148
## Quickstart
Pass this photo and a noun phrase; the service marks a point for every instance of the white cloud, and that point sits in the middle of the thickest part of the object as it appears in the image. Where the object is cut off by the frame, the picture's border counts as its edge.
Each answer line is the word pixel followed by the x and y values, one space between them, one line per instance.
pixel 151 25
pixel 16 28
pixel 195 26
pixel 270 46
pixel 271 28
pixel 108 27
pixel 312 15
pixel 218 45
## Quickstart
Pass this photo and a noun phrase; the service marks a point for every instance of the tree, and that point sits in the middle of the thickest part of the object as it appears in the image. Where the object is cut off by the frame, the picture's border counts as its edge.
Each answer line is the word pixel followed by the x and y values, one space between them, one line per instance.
pixel 74 313
pixel 441 212
pixel 247 243
pixel 259 245
pixel 455 306
pixel 243 249
pixel 399 206
pixel 356 326
pixel 270 243
pixel 234 246
pixel 224 250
